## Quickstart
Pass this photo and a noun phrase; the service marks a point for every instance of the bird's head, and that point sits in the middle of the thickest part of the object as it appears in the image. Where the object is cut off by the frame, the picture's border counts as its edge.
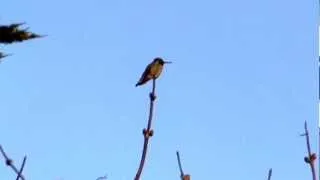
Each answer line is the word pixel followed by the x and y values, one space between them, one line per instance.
pixel 161 61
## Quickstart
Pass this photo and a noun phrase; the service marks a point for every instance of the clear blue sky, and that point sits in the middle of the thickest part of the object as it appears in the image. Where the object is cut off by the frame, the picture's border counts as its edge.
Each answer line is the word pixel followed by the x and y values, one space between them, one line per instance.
pixel 234 101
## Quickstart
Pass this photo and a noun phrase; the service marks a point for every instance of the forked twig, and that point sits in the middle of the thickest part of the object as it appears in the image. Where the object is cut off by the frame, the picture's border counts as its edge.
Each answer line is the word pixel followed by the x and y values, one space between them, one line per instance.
pixel 10 163
pixel 21 168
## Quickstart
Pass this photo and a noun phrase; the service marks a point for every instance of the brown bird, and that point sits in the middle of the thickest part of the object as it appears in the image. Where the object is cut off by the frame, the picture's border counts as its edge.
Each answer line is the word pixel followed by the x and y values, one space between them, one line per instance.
pixel 152 71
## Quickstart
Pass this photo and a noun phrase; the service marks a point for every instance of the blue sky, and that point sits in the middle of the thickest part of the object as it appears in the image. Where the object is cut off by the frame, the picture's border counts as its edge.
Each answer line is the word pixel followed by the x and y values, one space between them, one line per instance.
pixel 243 81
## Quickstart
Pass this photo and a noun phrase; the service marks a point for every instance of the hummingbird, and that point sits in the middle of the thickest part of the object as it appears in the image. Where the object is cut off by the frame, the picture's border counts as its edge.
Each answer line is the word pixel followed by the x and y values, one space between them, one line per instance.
pixel 152 71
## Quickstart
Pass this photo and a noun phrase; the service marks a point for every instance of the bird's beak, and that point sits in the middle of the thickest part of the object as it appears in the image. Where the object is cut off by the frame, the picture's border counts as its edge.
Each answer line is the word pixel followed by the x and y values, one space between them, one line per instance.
pixel 167 62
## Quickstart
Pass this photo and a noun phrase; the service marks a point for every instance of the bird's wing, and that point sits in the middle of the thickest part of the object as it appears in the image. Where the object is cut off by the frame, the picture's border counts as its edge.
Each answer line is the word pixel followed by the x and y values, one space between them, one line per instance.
pixel 145 72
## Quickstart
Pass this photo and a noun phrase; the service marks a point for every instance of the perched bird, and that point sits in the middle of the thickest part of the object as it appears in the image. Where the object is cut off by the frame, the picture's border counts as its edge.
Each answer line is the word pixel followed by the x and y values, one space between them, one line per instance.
pixel 152 71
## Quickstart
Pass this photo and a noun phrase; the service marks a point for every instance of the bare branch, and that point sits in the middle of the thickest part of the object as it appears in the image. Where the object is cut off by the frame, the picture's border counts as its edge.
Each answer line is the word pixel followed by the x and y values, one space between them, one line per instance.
pixel 182 175
pixel 147 133
pixel 102 177
pixel 270 174
pixel 180 166
pixel 22 166
pixel 310 159
pixel 10 163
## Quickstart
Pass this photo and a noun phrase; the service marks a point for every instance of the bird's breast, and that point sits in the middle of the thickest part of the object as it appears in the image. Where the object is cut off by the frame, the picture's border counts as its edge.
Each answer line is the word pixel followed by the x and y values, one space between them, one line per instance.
pixel 156 70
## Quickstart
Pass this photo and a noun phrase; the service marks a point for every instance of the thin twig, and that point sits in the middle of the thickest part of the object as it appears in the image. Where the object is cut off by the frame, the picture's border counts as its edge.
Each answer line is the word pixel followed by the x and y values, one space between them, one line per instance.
pixel 270 174
pixel 10 163
pixel 21 168
pixel 182 175
pixel 102 177
pixel 180 166
pixel 147 133
pixel 311 156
